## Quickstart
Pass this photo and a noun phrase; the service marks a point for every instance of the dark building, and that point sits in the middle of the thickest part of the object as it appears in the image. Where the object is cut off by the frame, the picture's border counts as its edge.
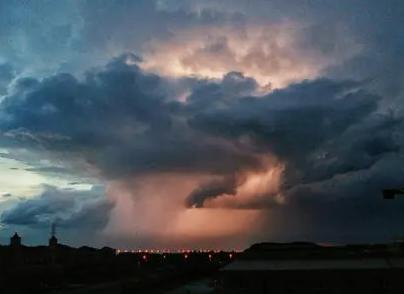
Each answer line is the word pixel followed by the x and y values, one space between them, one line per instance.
pixel 15 241
pixel 309 268
pixel 53 242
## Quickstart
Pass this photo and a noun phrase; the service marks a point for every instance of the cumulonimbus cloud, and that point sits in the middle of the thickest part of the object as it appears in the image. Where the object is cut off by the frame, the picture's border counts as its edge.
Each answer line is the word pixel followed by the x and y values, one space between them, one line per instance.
pixel 156 151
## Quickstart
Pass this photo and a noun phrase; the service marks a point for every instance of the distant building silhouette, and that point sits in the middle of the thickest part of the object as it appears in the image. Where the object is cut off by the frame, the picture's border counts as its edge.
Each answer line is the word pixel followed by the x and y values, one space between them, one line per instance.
pixel 300 267
pixel 15 241
pixel 53 241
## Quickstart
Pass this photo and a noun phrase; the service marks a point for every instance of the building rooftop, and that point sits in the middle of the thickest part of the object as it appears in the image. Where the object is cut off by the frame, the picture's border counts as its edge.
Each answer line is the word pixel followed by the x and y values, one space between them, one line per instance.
pixel 315 264
pixel 310 256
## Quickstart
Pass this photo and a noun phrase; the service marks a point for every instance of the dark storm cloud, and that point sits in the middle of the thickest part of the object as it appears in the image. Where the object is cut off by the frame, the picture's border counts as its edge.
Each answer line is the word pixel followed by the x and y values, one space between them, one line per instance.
pixel 306 125
pixel 339 151
pixel 61 109
pixel 210 190
pixel 318 128
pixel 119 119
pixel 67 208
pixel 346 207
pixel 207 94
pixel 339 136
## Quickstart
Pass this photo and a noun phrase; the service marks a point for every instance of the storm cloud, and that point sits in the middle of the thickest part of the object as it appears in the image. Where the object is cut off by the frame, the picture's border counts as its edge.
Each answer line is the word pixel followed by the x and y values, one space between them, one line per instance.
pixel 66 208
pixel 211 190
pixel 285 114
pixel 121 121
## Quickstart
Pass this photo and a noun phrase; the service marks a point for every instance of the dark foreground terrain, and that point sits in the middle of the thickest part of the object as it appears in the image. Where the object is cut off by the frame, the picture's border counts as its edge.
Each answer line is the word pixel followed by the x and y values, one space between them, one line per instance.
pixel 266 268
pixel 63 269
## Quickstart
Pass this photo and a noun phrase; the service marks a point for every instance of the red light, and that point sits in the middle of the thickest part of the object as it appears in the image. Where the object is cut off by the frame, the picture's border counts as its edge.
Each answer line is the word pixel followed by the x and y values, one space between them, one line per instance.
pixel 144 257
pixel 186 256
pixel 230 255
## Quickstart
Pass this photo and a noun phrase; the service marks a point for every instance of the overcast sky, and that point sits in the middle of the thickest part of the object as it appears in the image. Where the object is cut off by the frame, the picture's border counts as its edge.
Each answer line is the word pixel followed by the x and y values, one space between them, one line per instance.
pixel 186 123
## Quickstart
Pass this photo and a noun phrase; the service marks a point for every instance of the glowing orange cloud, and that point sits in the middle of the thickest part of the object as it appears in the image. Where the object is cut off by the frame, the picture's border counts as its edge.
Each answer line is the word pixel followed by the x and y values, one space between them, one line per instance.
pixel 273 54
pixel 257 186
pixel 152 206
